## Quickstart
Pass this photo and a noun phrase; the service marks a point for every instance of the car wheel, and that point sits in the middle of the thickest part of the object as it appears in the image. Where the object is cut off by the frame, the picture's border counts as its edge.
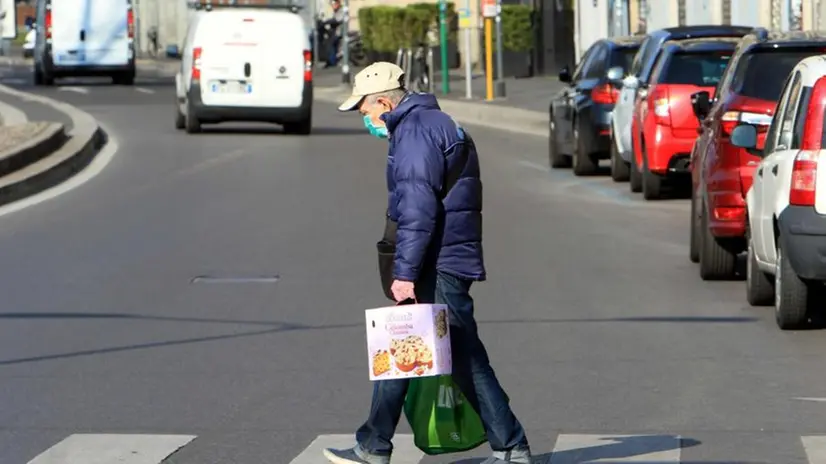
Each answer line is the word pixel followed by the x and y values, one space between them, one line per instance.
pixel 38 76
pixel 759 287
pixel 791 300
pixel 191 122
pixel 584 163
pixel 694 239
pixel 716 262
pixel 555 158
pixel 180 119
pixel 634 176
pixel 299 128
pixel 652 184
pixel 123 79
pixel 619 168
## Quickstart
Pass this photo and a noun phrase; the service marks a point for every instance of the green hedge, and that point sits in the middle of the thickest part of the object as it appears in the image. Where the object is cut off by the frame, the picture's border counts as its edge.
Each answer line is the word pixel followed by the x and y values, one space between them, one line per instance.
pixel 517 28
pixel 388 28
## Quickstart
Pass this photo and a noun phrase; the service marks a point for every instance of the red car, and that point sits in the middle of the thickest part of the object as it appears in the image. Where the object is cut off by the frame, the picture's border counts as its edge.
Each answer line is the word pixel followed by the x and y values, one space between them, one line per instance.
pixel 722 173
pixel 666 126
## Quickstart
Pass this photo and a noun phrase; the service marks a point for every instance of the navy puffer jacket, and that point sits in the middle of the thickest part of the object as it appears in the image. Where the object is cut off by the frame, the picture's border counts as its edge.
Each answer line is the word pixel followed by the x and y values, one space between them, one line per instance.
pixel 432 230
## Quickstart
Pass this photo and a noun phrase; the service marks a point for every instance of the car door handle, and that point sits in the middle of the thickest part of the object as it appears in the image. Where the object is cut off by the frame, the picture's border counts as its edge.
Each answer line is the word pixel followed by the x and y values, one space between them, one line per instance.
pixel 82 36
pixel 774 170
pixel 760 172
pixel 247 69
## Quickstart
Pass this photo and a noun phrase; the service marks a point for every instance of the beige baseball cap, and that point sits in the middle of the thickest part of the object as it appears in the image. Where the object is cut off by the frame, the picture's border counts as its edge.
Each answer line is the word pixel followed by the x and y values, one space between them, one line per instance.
pixel 376 78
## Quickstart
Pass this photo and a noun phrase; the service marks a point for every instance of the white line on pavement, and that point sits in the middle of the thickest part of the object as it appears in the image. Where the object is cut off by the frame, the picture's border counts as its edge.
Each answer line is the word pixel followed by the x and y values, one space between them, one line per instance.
pixel 815 447
pixel 143 90
pixel 11 115
pixel 571 449
pixel 74 89
pixel 108 449
pixel 816 400
pixel 404 451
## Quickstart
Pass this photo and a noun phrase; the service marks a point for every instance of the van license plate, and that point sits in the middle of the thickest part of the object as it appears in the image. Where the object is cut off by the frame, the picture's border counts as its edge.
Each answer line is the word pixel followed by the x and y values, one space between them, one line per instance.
pixel 231 87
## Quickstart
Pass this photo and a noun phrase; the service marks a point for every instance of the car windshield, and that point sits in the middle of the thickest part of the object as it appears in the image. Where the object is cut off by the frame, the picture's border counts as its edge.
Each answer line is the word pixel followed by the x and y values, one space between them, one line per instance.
pixel 693 68
pixel 623 57
pixel 763 72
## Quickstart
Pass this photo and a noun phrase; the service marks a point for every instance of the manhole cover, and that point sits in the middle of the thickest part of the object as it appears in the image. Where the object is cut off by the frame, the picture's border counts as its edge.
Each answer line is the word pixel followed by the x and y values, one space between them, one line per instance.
pixel 235 279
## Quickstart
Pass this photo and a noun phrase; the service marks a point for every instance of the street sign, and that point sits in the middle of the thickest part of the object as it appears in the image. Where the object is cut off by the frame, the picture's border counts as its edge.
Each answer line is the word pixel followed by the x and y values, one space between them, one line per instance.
pixel 464 18
pixel 489 8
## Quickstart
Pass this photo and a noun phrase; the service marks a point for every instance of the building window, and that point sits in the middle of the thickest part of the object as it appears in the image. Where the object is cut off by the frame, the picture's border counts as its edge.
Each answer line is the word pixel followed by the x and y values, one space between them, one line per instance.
pixel 726 4
pixel 681 12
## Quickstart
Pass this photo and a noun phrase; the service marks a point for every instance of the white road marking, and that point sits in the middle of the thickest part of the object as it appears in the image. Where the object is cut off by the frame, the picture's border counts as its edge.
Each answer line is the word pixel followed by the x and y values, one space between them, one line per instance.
pixel 143 90
pixel 574 449
pixel 81 90
pixel 816 400
pixel 11 115
pixel 108 449
pixel 404 451
pixel 815 447
pixel 15 80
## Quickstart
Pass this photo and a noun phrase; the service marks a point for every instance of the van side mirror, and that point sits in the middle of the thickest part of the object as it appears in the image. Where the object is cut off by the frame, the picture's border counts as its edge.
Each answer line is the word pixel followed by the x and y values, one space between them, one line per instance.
pixel 745 136
pixel 614 76
pixel 701 104
pixel 565 75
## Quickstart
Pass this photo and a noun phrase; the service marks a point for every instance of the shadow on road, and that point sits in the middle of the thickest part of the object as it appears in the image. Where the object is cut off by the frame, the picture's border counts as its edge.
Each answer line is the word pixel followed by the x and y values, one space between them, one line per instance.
pixel 279 327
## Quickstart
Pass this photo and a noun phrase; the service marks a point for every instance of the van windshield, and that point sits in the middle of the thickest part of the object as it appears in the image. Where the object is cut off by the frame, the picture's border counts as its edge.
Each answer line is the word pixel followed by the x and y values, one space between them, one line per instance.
pixel 763 71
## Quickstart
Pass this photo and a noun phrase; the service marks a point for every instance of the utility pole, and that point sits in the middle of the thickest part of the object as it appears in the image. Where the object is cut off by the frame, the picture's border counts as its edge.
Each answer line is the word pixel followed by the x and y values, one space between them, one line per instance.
pixel 500 83
pixel 345 44
pixel 489 12
pixel 443 47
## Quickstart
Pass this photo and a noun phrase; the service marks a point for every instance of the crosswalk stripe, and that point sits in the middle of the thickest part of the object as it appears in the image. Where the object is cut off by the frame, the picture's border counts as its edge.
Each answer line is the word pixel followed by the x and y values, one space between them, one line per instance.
pixel 111 448
pixel 143 90
pixel 404 451
pixel 815 447
pixel 572 449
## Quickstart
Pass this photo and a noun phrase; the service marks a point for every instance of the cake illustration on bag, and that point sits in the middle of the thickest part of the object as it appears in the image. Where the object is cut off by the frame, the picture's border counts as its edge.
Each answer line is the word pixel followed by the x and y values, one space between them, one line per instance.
pixel 381 363
pixel 411 352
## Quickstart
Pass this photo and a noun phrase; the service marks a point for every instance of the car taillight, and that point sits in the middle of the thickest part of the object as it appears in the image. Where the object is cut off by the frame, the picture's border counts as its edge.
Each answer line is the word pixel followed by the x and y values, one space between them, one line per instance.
pixel 130 23
pixel 605 94
pixel 308 66
pixel 813 125
pixel 47 24
pixel 660 104
pixel 731 119
pixel 196 63
pixel 804 178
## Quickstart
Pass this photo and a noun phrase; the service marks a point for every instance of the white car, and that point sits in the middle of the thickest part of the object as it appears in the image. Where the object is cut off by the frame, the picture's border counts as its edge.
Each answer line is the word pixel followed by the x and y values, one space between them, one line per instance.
pixel 787 202
pixel 245 63
pixel 84 38
pixel 28 43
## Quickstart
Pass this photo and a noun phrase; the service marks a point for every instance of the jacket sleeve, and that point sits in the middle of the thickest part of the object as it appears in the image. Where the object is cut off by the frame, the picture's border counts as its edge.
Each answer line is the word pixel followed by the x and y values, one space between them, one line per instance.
pixel 418 171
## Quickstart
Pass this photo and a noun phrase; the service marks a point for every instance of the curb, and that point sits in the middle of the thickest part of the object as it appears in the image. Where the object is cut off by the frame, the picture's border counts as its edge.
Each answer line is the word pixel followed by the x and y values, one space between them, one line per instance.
pixel 30 151
pixel 61 162
pixel 505 118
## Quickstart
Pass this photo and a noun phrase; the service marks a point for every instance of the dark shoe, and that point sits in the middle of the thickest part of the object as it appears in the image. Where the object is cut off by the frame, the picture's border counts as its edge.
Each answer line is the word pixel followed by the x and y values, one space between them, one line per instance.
pixel 354 456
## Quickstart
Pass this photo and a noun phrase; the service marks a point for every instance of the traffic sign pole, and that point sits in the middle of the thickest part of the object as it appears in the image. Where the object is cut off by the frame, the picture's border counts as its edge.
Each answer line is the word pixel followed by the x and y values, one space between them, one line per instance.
pixel 500 83
pixel 464 24
pixel 489 13
pixel 443 48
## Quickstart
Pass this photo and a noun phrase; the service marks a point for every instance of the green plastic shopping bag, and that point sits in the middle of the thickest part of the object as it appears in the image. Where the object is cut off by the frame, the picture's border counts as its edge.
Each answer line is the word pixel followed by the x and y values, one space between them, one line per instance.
pixel 442 419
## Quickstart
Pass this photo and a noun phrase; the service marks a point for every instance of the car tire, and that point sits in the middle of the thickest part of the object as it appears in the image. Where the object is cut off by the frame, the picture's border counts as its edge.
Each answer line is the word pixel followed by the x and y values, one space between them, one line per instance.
pixel 304 127
pixel 619 168
pixel 791 301
pixel 556 159
pixel 759 287
pixel 716 262
pixel 191 122
pixel 38 76
pixel 634 176
pixel 583 163
pixel 180 119
pixel 652 184
pixel 694 237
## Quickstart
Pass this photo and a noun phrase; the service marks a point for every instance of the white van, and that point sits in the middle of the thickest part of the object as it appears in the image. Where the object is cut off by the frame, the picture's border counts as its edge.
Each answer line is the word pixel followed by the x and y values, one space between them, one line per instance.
pixel 245 63
pixel 84 38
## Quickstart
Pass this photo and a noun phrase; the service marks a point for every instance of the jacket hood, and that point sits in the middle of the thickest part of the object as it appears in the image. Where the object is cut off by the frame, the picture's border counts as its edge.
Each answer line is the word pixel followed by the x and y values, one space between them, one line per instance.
pixel 412 102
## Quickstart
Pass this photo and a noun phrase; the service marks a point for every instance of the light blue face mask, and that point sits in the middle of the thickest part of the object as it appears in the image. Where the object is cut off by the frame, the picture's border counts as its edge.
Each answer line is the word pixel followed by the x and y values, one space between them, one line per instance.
pixel 375 131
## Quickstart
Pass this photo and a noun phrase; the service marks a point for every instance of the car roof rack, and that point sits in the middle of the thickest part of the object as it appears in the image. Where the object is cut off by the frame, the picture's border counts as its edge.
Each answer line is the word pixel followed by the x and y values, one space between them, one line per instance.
pixel 209 5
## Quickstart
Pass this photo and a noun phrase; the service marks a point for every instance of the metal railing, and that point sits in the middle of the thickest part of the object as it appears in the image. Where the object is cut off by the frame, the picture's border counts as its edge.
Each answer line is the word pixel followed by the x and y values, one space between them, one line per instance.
pixel 418 68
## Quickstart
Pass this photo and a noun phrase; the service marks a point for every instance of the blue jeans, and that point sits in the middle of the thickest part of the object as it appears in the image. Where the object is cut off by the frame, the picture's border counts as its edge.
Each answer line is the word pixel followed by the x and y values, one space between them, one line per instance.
pixel 471 372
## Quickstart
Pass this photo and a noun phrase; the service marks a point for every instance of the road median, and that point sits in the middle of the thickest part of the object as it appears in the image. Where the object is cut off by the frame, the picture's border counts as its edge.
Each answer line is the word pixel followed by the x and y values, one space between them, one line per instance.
pixel 494 116
pixel 36 156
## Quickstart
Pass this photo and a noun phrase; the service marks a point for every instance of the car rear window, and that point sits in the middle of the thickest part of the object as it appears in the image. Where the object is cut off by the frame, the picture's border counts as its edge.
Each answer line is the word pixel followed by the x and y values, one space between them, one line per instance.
pixel 762 73
pixel 623 57
pixel 702 69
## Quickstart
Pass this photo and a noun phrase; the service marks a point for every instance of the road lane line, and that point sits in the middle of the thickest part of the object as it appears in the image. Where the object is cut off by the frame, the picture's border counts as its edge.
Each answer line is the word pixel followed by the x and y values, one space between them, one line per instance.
pixel 143 90
pixel 404 451
pixel 12 115
pixel 81 90
pixel 111 448
pixel 208 163
pixel 574 449
pixel 815 447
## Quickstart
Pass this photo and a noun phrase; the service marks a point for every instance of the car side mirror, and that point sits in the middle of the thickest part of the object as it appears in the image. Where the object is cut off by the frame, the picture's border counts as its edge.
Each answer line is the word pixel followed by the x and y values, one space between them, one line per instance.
pixel 173 52
pixel 614 75
pixel 701 104
pixel 565 75
pixel 745 136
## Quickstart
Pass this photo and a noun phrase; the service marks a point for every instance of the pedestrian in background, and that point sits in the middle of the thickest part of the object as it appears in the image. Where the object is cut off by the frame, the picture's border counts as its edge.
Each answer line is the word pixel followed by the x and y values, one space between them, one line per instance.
pixel 435 206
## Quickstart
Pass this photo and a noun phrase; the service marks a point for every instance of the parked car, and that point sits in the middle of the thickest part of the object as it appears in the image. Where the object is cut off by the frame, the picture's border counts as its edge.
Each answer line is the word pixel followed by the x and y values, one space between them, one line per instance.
pixel 667 126
pixel 640 74
pixel 786 204
pixel 721 172
pixel 78 38
pixel 28 43
pixel 580 115
pixel 246 63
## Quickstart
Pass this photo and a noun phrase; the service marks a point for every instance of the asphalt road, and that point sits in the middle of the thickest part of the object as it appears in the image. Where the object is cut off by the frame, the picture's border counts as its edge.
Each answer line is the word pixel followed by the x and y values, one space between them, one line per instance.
pixel 596 322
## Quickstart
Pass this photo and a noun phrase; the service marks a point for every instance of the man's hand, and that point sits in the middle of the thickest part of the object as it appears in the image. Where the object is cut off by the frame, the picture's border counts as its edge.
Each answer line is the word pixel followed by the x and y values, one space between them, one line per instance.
pixel 402 290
